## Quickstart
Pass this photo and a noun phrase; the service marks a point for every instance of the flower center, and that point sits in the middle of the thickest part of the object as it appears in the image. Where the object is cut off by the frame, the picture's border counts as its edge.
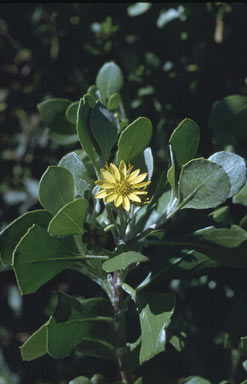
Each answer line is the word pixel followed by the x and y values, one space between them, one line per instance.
pixel 123 188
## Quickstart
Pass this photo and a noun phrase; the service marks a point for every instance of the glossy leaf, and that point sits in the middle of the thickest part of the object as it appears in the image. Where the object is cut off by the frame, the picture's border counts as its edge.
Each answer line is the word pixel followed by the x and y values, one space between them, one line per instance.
pixel 10 236
pixel 56 188
pixel 104 129
pixel 134 139
pixel 83 130
pixel 109 80
pixel 123 260
pixel 80 175
pixel 203 184
pixel 69 219
pixel 71 112
pixel 228 119
pixel 235 168
pixel 38 258
pixel 184 141
pixel 155 311
pixel 52 114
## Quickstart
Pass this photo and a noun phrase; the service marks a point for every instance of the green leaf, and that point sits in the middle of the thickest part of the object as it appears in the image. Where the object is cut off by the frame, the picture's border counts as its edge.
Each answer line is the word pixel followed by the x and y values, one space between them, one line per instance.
pixel 52 114
pixel 35 346
pixel 82 319
pixel 69 219
pixel 123 260
pixel 228 119
pixel 203 184
pixel 134 139
pixel 244 344
pixel 195 380
pixel 10 236
pixel 38 258
pixel 71 112
pixel 104 129
pixel 99 349
pixel 137 9
pixel 235 168
pixel 80 380
pixel 72 321
pixel 145 162
pixel 113 102
pixel 83 130
pixel 227 237
pixel 155 311
pixel 109 80
pixel 56 188
pixel 80 175
pixel 171 177
pixel 63 139
pixel 241 197
pixel 184 141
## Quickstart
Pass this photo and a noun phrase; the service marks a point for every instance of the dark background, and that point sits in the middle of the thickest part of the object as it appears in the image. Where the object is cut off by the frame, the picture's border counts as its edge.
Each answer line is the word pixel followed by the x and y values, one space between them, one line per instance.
pixel 170 72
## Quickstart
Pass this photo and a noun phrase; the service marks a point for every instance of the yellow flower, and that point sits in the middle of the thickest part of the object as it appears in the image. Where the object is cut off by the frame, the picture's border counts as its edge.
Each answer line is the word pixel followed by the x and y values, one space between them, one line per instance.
pixel 121 185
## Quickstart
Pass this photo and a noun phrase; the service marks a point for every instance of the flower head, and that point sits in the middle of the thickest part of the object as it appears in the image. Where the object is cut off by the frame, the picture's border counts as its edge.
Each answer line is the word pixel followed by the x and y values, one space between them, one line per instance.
pixel 120 185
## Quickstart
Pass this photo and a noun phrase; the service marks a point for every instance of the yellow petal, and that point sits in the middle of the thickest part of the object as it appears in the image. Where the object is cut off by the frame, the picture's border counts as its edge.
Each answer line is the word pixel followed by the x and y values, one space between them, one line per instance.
pixel 138 179
pixel 126 203
pixel 104 184
pixel 118 200
pixel 115 171
pixel 101 194
pixel 135 198
pixel 140 192
pixel 133 175
pixel 108 176
pixel 123 169
pixel 110 197
pixel 140 185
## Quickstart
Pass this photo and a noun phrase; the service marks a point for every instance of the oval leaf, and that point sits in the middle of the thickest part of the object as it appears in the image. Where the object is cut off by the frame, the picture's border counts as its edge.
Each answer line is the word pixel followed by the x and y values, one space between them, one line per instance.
pixel 228 119
pixel 81 178
pixel 227 237
pixel 83 129
pixel 203 184
pixel 12 234
pixel 184 141
pixel 56 188
pixel 80 380
pixel 235 168
pixel 70 219
pixel 241 197
pixel 52 114
pixel 109 80
pixel 123 260
pixel 104 129
pixel 38 258
pixel 71 112
pixel 134 139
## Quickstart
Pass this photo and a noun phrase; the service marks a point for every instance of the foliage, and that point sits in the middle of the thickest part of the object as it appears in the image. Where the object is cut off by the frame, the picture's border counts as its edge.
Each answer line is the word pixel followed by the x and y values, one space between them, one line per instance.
pixel 189 242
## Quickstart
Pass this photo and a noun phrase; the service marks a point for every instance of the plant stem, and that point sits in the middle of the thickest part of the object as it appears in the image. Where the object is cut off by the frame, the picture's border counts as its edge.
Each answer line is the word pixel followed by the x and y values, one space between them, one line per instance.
pixel 119 317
